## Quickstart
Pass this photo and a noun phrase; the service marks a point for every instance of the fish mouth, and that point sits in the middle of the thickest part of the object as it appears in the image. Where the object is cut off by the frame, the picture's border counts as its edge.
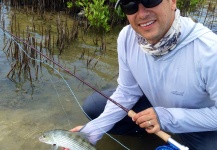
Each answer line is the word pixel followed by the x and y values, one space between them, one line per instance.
pixel 41 139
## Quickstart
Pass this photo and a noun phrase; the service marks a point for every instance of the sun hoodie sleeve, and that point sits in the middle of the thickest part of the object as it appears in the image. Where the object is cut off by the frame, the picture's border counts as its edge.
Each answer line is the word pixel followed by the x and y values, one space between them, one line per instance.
pixel 126 94
pixel 182 120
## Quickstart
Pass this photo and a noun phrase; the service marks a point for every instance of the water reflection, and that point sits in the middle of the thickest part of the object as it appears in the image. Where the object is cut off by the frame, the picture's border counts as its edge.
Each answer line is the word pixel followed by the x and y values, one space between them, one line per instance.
pixel 29 108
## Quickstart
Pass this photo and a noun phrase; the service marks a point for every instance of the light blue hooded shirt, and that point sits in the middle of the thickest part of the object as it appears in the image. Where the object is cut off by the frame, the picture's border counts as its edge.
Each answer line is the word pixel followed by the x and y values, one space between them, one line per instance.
pixel 181 85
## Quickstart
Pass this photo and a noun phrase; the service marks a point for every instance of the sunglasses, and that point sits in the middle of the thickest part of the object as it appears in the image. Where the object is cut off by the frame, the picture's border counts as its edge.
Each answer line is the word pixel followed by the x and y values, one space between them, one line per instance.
pixel 130 7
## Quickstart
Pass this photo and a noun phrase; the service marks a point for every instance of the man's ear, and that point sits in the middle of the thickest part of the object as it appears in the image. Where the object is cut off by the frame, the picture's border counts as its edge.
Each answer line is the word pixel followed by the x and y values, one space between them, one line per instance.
pixel 173 6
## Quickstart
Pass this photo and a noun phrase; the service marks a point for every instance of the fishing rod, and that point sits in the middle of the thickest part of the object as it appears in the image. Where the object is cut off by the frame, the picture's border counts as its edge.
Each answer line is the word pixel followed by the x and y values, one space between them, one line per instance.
pixel 163 135
pixel 66 70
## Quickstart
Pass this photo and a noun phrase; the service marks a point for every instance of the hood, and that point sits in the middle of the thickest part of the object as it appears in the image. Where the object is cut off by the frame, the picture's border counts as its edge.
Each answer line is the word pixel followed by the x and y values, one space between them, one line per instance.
pixel 190 31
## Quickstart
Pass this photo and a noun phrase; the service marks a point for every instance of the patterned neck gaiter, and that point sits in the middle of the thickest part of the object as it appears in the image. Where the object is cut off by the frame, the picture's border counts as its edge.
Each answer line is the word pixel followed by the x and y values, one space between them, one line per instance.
pixel 167 43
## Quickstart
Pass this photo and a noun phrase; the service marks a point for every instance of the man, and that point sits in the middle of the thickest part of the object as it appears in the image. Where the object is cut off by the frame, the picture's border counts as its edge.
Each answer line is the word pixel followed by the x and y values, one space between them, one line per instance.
pixel 169 61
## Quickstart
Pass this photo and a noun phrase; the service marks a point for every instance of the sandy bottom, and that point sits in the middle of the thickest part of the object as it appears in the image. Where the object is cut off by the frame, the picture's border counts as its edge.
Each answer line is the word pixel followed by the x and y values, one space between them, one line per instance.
pixel 24 117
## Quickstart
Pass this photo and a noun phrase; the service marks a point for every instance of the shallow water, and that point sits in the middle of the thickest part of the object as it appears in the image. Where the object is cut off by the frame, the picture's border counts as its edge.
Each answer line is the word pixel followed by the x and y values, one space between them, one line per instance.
pixel 28 109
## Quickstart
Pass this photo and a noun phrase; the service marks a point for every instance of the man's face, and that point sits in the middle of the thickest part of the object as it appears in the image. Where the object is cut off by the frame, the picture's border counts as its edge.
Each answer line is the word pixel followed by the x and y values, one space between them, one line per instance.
pixel 153 23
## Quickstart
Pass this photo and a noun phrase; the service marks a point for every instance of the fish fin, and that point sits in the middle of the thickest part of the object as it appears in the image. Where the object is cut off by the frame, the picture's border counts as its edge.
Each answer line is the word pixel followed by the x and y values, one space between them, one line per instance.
pixel 54 147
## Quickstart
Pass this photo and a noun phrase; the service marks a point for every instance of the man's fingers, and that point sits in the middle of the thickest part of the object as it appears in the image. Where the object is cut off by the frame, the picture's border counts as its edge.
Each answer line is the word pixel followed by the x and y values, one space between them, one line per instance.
pixel 76 129
pixel 149 123
pixel 144 115
pixel 153 129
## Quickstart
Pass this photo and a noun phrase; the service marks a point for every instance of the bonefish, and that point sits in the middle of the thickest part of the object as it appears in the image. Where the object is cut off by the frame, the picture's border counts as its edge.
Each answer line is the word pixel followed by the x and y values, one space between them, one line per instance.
pixel 63 138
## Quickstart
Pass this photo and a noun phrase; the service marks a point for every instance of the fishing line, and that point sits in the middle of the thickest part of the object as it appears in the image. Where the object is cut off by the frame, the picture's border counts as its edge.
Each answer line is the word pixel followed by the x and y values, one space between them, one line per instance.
pixel 163 135
pixel 83 109
pixel 59 98
pixel 45 58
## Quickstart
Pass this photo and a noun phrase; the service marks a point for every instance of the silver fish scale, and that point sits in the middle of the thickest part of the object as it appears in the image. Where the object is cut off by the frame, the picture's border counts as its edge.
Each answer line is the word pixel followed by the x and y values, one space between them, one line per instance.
pixel 70 140
pixel 78 142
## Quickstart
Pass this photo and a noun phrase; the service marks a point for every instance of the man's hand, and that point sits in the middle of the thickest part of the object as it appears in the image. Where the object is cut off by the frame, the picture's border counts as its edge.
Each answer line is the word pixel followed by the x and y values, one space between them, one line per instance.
pixel 76 129
pixel 147 119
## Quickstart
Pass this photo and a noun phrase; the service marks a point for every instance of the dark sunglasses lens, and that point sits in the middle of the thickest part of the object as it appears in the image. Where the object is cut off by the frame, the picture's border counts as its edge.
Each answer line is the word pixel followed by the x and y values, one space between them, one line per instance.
pixel 150 3
pixel 129 8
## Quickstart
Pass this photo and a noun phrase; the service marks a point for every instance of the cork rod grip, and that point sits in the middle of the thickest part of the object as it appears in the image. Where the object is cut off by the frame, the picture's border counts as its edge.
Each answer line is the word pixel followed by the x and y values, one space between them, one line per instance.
pixel 163 135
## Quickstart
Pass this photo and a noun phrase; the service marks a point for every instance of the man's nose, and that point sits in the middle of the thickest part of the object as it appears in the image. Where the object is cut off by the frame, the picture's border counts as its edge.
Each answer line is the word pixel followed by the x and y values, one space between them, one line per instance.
pixel 142 11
